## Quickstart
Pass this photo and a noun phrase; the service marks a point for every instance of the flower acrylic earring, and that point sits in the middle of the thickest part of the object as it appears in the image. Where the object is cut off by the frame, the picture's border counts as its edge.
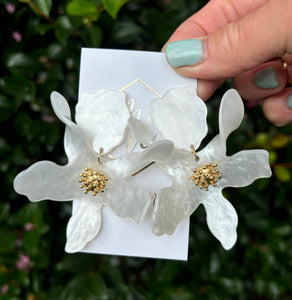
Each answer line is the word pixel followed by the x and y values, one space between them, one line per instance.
pixel 90 176
pixel 199 177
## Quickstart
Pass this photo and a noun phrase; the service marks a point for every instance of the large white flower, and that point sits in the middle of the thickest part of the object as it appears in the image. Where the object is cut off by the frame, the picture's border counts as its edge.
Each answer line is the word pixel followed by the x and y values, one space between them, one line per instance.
pixel 198 178
pixel 90 177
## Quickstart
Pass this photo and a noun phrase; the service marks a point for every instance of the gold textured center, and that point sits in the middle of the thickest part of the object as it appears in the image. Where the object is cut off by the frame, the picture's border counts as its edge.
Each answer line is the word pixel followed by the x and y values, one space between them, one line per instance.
pixel 93 181
pixel 205 175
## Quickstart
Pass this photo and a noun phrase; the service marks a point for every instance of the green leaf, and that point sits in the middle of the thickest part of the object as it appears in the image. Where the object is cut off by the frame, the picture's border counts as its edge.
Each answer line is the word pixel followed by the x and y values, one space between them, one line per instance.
pixel 82 8
pixel 62 35
pixel 45 6
pixel 180 295
pixel 4 211
pixel 88 287
pixel 23 124
pixel 30 213
pixel 280 141
pixel 8 239
pixel 262 139
pixel 19 87
pixel 113 6
pixel 273 156
pixel 7 107
pixel 22 63
pixel 282 173
pixel 91 36
pixel 21 278
pixel 64 22
pixel 125 32
pixel 77 263
pixel 30 241
pixel 282 230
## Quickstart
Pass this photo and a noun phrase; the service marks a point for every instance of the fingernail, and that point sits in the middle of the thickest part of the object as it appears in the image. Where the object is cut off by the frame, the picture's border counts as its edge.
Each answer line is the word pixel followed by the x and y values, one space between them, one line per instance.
pixel 289 101
pixel 266 78
pixel 184 53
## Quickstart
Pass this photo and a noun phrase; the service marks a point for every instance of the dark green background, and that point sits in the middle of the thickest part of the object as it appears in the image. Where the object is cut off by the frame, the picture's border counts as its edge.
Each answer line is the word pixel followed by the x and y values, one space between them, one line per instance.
pixel 46 58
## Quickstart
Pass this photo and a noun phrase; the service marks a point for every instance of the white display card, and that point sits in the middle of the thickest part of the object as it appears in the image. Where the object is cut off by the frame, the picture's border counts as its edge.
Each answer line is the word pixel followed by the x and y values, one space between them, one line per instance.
pixel 143 76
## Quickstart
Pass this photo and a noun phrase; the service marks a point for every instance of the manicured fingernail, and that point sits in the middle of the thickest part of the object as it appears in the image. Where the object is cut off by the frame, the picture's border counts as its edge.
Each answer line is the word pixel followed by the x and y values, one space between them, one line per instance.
pixel 289 101
pixel 184 53
pixel 266 78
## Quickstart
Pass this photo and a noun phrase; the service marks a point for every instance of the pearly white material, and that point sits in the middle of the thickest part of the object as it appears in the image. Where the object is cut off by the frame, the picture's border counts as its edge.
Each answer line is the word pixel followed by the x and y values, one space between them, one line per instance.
pixel 242 168
pixel 180 116
pixel 174 207
pixel 140 131
pixel 62 111
pixel 174 204
pixel 159 152
pixel 221 219
pixel 116 69
pixel 46 180
pixel 231 112
pixel 61 107
pixel 133 205
pixel 83 226
pixel 103 116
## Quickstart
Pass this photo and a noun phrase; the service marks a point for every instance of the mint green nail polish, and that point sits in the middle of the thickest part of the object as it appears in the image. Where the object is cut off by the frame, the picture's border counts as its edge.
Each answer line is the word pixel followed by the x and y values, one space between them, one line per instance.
pixel 184 53
pixel 266 78
pixel 289 101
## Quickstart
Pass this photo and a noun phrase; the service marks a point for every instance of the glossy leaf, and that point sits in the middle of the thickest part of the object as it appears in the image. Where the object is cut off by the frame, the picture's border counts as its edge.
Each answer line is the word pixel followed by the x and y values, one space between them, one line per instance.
pixel 88 287
pixel 283 173
pixel 20 62
pixel 4 211
pixel 113 6
pixel 45 6
pixel 84 8
pixel 91 36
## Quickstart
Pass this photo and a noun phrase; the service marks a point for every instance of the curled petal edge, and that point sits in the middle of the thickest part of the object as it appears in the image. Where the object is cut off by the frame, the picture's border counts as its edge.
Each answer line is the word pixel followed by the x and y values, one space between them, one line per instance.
pixel 83 226
pixel 140 131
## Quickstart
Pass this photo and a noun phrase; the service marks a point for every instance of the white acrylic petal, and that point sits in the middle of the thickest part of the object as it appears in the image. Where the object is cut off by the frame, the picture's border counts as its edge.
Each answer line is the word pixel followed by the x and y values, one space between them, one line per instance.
pixel 83 226
pixel 78 149
pixel 128 201
pixel 159 152
pixel 242 168
pixel 103 116
pixel 46 180
pixel 215 150
pixel 230 117
pixel 61 108
pixel 140 131
pixel 230 113
pixel 172 206
pixel 122 167
pixel 221 219
pixel 180 116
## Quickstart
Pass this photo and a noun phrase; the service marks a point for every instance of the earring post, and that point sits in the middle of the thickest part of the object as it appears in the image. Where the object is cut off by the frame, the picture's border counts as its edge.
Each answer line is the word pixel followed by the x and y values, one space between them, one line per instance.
pixel 147 166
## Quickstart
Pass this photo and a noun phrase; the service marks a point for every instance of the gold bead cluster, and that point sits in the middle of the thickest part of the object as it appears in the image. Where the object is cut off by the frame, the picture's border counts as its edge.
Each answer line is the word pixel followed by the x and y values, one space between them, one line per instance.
pixel 93 181
pixel 205 175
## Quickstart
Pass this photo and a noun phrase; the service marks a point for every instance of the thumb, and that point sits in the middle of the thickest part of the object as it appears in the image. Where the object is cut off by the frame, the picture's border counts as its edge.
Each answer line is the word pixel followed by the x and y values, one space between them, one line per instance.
pixel 254 39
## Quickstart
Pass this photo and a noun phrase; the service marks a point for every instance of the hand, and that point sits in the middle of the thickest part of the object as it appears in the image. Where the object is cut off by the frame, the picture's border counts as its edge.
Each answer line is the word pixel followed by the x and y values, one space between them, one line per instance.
pixel 250 40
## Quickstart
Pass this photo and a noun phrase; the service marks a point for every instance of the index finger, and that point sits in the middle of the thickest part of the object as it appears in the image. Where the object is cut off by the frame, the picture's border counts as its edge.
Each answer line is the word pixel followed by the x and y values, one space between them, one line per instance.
pixel 213 16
